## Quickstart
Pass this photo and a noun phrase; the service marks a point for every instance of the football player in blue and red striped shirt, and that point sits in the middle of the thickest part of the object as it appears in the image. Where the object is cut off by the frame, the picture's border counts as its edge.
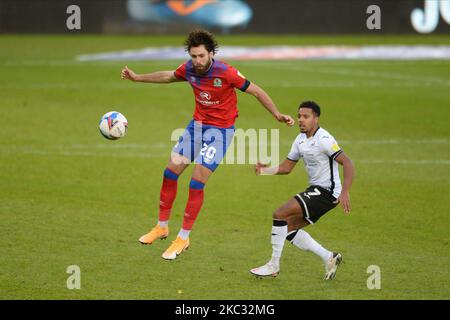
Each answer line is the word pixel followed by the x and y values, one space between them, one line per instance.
pixel 207 135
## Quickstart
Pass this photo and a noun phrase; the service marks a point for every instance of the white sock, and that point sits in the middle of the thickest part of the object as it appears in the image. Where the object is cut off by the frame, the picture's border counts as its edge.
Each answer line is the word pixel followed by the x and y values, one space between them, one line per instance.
pixel 279 232
pixel 305 242
pixel 163 224
pixel 184 234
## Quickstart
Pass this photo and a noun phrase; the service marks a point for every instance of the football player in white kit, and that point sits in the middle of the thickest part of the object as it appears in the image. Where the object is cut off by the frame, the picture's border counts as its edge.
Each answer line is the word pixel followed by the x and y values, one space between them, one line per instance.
pixel 321 155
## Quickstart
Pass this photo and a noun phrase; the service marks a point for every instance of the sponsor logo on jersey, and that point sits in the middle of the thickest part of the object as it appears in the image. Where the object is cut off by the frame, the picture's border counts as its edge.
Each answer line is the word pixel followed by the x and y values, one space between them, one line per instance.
pixel 205 95
pixel 205 98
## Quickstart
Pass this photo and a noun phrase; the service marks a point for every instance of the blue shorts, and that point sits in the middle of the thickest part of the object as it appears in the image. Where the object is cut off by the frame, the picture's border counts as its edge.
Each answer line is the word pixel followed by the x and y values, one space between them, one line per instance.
pixel 204 144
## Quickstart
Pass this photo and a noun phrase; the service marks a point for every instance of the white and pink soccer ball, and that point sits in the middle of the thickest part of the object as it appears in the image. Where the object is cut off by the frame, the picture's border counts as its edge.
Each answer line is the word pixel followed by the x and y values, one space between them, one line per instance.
pixel 113 125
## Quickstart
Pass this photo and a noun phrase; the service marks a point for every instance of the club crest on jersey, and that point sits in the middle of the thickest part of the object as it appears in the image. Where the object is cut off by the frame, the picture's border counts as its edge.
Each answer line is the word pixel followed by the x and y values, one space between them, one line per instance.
pixel 217 82
pixel 192 79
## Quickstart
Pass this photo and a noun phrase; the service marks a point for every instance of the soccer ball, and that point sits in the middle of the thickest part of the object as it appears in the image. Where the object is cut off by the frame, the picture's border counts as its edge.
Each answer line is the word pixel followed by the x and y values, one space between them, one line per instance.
pixel 113 125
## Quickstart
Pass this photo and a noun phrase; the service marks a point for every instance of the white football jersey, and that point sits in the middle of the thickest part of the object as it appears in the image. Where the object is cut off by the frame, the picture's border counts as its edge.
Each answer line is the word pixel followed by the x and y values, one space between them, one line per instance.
pixel 319 153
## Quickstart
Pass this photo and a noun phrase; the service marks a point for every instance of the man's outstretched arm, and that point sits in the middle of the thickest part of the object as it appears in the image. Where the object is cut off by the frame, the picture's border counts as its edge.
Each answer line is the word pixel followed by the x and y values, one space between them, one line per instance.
pixel 284 168
pixel 267 102
pixel 154 77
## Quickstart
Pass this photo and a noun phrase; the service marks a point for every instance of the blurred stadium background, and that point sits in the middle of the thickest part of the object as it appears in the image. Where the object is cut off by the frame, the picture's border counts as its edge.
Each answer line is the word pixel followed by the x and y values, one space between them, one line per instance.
pixel 70 197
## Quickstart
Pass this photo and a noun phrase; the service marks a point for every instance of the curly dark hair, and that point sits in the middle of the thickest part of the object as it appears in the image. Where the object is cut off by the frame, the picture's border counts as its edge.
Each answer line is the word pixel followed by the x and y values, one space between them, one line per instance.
pixel 201 37
pixel 311 105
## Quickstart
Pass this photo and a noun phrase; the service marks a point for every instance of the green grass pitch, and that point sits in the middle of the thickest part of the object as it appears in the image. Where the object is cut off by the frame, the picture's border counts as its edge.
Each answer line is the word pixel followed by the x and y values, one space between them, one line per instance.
pixel 70 197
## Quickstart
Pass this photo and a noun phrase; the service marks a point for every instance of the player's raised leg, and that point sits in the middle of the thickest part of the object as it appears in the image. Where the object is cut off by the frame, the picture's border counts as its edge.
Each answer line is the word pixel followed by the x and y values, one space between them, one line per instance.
pixel 177 164
pixel 194 204
pixel 303 240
